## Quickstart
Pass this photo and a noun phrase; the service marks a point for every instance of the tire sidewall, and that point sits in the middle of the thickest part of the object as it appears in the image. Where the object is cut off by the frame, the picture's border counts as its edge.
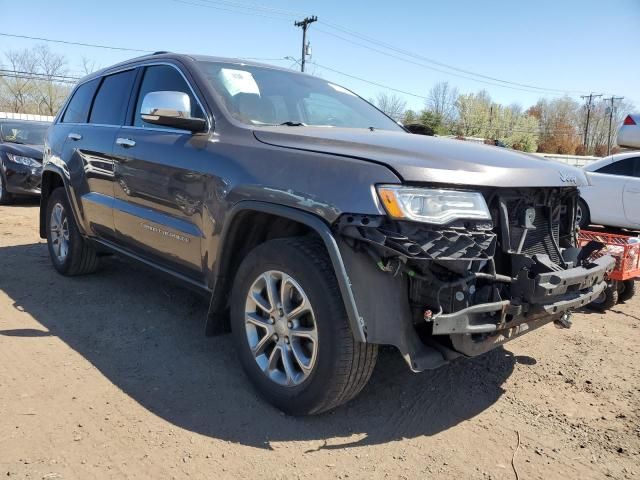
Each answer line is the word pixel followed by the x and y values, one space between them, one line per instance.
pixel 329 316
pixel 59 196
pixel 585 220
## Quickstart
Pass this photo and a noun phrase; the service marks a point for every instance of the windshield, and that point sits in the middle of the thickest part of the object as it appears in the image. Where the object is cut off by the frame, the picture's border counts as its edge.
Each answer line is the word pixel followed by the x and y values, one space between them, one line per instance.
pixel 262 96
pixel 23 132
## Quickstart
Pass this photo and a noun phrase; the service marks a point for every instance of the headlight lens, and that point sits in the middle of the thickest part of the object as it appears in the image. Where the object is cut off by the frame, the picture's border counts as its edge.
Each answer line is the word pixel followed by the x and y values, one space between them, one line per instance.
pixel 433 205
pixel 28 161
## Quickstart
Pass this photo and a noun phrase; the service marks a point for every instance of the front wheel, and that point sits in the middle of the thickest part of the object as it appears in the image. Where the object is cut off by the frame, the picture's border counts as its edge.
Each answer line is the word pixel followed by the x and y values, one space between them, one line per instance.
pixel 70 253
pixel 291 329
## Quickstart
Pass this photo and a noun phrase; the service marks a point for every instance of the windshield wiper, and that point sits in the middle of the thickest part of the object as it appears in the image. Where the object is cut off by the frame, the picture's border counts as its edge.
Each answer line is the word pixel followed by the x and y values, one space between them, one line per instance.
pixel 293 124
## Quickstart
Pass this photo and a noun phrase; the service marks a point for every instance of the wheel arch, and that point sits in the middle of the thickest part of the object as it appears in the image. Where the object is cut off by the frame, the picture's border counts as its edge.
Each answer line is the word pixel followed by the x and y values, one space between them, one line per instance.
pixel 50 181
pixel 250 223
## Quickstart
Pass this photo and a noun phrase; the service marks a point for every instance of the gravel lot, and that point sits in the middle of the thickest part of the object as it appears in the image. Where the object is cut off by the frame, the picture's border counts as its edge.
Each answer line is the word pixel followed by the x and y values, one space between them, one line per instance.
pixel 110 376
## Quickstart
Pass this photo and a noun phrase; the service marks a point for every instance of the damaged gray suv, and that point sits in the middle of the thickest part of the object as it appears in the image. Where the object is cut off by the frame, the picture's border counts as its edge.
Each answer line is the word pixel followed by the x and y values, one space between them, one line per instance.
pixel 318 227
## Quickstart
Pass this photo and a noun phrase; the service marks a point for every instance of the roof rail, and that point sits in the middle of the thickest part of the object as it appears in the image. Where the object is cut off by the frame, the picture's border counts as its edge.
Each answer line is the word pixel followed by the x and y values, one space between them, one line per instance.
pixel 160 52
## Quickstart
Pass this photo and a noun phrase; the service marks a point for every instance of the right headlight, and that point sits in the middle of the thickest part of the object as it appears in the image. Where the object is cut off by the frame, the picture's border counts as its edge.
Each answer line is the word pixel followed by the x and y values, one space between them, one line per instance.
pixel 428 205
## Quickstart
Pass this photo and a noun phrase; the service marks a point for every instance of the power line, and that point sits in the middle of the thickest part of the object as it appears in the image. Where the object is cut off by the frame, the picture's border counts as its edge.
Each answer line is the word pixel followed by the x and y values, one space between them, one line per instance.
pixel 41 39
pixel 442 64
pixel 30 77
pixel 207 5
pixel 407 60
pixel 253 8
pixel 44 75
pixel 369 81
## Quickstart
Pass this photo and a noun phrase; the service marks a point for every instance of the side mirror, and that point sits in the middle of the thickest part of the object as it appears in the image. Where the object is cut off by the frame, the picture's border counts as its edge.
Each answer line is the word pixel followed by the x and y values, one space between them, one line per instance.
pixel 419 129
pixel 171 109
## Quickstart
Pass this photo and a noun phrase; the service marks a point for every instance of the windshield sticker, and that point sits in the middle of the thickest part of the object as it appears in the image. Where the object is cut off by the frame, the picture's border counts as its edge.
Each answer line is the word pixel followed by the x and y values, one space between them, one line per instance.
pixel 340 89
pixel 238 81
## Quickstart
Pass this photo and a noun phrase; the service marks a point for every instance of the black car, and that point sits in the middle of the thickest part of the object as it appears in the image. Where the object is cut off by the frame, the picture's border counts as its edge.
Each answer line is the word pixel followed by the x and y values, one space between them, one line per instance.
pixel 21 144
pixel 317 227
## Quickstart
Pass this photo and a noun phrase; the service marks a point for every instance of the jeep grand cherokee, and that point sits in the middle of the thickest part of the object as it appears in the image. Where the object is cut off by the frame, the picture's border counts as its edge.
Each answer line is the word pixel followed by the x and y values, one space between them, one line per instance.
pixel 318 227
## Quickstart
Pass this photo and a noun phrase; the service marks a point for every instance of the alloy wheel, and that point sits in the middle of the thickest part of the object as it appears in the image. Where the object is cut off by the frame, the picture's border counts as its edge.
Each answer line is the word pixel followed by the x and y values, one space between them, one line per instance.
pixel 281 328
pixel 59 227
pixel 579 214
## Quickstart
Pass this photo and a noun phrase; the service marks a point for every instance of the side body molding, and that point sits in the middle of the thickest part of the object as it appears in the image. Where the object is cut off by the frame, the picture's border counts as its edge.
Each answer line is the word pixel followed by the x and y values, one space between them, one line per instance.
pixel 214 321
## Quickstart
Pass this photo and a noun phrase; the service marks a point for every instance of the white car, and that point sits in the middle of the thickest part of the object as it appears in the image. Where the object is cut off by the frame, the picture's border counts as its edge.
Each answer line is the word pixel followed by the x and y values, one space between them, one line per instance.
pixel 629 132
pixel 613 196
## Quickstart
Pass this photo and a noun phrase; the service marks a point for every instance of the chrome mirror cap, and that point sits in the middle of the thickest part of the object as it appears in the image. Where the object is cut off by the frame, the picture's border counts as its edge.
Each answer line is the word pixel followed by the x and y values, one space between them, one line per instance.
pixel 171 109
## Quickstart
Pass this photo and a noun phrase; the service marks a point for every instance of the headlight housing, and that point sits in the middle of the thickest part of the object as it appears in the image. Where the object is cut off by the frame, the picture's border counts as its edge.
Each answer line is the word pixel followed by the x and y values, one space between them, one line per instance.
pixel 436 206
pixel 28 161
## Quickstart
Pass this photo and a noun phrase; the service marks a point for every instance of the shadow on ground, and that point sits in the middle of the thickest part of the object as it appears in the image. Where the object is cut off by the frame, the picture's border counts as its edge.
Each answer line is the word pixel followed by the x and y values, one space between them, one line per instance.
pixel 146 335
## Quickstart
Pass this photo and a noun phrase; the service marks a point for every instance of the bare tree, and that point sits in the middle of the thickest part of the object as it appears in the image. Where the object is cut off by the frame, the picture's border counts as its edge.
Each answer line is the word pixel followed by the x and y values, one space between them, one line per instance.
pixel 391 104
pixel 441 100
pixel 18 83
pixel 51 67
pixel 88 66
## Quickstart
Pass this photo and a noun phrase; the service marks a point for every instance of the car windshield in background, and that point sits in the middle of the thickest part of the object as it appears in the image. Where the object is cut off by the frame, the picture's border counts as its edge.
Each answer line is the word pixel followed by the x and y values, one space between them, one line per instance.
pixel 261 96
pixel 23 132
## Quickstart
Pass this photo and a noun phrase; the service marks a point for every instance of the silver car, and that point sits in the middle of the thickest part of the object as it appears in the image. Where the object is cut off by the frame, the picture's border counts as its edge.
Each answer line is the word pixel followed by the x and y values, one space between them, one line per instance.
pixel 629 132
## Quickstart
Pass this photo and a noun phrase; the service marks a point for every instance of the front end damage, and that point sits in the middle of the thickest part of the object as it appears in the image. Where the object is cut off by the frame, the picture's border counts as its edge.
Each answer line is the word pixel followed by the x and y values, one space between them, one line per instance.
pixel 437 292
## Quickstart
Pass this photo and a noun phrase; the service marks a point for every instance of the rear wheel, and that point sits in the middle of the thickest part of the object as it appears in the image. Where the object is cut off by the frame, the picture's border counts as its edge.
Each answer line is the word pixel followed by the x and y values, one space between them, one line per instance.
pixel 291 329
pixel 606 300
pixel 5 196
pixel 627 290
pixel 70 253
pixel 582 214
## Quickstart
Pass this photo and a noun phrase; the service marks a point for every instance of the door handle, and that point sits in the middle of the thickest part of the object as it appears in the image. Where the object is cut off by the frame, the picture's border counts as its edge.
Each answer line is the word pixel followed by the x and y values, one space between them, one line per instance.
pixel 74 136
pixel 125 142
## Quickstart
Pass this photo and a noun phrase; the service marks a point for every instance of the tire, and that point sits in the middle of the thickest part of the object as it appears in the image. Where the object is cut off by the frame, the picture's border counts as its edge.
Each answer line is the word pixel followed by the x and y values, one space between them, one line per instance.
pixel 79 257
pixel 607 299
pixel 5 197
pixel 340 366
pixel 583 216
pixel 627 290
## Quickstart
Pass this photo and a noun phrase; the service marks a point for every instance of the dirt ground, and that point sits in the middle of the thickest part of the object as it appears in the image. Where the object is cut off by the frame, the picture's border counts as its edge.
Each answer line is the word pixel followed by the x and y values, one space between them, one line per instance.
pixel 110 376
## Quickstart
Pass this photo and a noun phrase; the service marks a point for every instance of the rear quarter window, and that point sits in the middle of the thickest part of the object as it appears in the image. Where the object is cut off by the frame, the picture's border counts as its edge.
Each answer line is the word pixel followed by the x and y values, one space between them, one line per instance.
pixel 621 167
pixel 80 103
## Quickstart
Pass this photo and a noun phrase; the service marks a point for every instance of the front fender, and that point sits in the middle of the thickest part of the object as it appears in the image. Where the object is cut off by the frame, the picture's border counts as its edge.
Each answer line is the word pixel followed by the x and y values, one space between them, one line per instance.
pixel 321 228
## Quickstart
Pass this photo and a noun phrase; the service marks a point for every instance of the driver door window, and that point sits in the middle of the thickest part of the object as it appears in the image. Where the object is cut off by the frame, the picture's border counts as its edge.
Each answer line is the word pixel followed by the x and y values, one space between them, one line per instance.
pixel 163 78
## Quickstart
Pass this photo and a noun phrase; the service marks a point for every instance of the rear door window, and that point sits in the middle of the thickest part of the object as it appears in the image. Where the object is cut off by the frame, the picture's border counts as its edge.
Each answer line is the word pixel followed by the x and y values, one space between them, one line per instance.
pixel 78 108
pixel 110 104
pixel 164 78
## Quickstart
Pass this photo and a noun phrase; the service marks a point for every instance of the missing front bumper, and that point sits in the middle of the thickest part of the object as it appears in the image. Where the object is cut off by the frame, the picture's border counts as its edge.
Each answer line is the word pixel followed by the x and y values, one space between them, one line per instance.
pixel 479 328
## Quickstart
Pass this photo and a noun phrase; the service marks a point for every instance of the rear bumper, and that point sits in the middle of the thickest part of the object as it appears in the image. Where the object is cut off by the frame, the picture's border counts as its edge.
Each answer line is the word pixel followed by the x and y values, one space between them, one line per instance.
pixel 535 301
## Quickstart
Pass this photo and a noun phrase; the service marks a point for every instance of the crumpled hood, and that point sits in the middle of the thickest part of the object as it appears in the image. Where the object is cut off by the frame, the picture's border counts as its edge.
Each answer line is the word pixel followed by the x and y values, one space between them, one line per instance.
pixel 32 151
pixel 418 158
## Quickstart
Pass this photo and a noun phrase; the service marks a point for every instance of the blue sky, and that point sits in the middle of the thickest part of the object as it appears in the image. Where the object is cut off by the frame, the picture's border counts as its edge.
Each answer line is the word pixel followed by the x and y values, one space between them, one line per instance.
pixel 567 45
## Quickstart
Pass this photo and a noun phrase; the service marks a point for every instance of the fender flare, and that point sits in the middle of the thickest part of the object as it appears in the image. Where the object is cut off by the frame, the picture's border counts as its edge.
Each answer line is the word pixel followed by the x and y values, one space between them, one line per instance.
pixel 316 224
pixel 60 172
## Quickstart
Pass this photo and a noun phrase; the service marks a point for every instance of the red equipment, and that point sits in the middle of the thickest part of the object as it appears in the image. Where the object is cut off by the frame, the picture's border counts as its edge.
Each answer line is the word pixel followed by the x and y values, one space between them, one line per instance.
pixel 626 251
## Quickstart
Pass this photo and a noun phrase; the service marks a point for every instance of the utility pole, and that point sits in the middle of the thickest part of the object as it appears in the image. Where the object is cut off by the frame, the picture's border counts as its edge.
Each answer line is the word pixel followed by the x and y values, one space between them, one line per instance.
pixel 611 110
pixel 304 24
pixel 591 96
